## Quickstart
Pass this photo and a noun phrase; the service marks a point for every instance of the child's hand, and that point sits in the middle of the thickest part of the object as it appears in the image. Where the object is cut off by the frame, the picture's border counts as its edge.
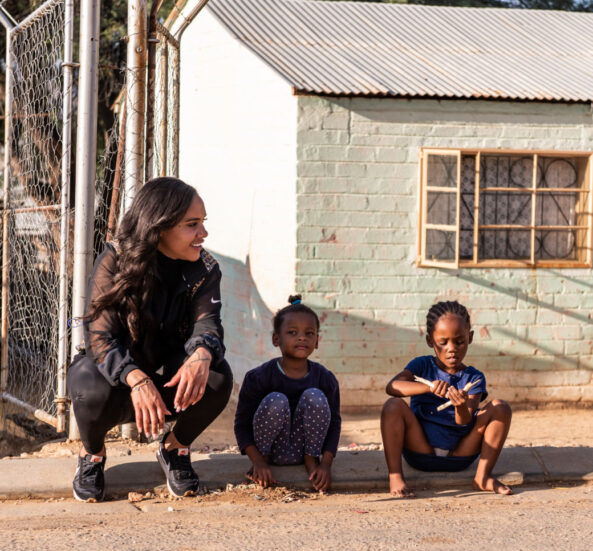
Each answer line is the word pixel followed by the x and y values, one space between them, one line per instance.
pixel 440 388
pixel 321 478
pixel 457 397
pixel 262 474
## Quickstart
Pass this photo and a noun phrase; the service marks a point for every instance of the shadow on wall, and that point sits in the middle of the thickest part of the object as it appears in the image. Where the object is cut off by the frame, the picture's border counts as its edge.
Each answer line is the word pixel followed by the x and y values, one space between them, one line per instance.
pixel 246 318
pixel 365 353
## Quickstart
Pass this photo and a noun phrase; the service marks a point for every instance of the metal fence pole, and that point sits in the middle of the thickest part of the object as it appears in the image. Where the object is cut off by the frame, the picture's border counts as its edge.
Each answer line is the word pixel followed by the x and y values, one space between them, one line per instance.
pixel 86 152
pixel 5 218
pixel 150 91
pixel 135 116
pixel 135 98
pixel 61 398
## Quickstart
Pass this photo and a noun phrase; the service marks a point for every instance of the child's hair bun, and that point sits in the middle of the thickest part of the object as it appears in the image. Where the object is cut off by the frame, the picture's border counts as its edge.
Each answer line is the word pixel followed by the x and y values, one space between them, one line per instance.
pixel 295 299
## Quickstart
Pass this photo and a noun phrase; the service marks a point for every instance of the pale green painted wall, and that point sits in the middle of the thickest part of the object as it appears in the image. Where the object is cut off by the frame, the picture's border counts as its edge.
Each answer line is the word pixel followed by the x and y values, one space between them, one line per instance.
pixel 357 194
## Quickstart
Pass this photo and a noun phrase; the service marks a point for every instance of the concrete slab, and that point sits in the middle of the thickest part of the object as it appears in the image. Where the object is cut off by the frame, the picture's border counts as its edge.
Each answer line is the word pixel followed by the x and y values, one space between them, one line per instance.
pixel 570 464
pixel 353 470
pixel 518 466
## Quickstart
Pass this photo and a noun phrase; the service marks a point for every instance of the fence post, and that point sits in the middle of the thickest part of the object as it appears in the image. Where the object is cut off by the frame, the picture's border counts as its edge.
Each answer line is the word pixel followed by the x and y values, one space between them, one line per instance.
pixel 61 397
pixel 8 25
pixel 135 116
pixel 135 99
pixel 86 152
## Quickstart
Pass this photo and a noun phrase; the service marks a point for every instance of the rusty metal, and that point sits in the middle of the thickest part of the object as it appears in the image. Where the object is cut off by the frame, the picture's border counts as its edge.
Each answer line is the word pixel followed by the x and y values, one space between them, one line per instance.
pixel 67 69
pixel 116 192
pixel 6 220
pixel 36 412
pixel 135 98
pixel 174 111
pixel 150 91
pixel 164 118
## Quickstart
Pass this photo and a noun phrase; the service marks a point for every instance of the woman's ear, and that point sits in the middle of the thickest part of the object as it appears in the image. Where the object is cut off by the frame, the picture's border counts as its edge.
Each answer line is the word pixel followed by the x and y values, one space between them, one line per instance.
pixel 275 339
pixel 429 341
pixel 471 337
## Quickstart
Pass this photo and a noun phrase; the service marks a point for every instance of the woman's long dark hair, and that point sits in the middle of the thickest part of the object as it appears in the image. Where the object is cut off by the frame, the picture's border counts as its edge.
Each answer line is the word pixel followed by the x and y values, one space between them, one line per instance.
pixel 159 205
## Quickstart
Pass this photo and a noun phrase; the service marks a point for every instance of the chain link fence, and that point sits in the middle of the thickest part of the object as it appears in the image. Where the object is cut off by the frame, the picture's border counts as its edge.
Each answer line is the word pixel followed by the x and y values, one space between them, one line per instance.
pixel 32 210
pixel 162 135
pixel 35 213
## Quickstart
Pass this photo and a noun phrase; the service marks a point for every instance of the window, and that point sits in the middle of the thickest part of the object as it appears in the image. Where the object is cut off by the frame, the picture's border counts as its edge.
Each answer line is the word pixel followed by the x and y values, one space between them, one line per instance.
pixel 494 208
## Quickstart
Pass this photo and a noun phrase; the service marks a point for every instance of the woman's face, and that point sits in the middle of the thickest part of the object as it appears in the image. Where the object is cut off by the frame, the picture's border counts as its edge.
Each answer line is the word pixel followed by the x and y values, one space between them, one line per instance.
pixel 184 241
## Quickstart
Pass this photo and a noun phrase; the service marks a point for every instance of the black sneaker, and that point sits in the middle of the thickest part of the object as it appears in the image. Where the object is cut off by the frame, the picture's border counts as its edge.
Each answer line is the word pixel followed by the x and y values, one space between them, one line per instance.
pixel 182 480
pixel 89 480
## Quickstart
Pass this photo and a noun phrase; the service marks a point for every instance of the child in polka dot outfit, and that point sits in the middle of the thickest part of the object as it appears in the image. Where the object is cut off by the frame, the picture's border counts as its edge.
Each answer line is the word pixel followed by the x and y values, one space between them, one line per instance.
pixel 289 407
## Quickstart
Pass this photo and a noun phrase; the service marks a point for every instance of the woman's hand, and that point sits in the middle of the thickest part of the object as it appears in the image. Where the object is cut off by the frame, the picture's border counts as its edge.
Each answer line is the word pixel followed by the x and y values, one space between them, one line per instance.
pixel 191 379
pixel 149 408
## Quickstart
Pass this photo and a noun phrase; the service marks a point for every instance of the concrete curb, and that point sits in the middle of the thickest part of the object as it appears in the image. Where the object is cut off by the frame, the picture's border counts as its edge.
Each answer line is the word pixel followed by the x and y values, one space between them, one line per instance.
pixel 353 470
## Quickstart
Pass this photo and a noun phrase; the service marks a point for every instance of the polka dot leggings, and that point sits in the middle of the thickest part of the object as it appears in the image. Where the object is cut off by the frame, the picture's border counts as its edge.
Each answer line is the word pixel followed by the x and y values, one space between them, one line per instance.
pixel 287 441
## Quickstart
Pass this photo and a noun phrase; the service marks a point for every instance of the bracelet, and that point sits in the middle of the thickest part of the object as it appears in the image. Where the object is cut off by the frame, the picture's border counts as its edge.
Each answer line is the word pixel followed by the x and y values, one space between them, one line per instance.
pixel 142 383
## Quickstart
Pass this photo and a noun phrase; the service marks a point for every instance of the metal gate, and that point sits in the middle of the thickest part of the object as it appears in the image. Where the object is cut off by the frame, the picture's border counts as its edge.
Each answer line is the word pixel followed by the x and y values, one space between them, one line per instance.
pixel 36 212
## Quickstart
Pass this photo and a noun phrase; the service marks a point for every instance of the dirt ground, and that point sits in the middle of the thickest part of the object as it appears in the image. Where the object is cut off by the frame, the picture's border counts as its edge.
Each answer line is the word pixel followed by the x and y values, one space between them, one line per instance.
pixel 563 427
pixel 248 518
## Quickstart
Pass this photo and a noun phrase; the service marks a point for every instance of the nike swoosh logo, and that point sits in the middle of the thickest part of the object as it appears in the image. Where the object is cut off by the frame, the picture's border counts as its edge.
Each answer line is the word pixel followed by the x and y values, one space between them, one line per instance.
pixel 214 301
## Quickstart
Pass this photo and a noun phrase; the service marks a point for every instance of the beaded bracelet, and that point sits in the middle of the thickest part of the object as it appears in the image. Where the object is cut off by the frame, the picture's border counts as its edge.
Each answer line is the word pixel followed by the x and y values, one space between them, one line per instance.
pixel 142 383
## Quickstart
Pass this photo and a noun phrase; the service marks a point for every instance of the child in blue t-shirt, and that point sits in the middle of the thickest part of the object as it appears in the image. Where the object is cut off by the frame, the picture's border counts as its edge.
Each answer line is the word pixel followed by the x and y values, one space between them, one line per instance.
pixel 452 436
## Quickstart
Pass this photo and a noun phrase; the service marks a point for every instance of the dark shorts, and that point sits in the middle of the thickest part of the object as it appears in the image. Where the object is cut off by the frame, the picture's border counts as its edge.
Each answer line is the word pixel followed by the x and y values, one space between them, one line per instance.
pixel 434 463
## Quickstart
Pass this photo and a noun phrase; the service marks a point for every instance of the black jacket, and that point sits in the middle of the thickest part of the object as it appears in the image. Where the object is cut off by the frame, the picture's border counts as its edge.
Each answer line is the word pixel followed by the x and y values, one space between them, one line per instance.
pixel 186 309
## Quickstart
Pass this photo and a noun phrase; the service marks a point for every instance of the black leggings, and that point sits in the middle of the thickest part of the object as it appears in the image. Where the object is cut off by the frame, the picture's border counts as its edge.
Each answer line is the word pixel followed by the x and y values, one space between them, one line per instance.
pixel 98 406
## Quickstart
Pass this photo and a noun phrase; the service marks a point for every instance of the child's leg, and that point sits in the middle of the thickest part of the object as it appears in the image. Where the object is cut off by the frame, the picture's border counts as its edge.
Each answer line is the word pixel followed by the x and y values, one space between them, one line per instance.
pixel 488 436
pixel 271 424
pixel 399 427
pixel 311 423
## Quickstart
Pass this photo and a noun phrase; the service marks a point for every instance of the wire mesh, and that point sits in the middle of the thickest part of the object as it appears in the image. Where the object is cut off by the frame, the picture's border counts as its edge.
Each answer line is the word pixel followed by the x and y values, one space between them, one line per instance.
pixel 33 237
pixel 109 188
pixel 166 107
pixel 34 189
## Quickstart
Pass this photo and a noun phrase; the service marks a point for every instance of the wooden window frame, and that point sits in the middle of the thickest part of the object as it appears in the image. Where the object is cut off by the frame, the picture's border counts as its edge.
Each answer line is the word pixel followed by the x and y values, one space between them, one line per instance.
pixel 585 201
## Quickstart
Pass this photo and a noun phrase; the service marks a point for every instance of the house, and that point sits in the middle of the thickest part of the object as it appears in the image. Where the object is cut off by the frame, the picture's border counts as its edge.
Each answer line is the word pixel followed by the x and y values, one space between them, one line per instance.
pixel 380 157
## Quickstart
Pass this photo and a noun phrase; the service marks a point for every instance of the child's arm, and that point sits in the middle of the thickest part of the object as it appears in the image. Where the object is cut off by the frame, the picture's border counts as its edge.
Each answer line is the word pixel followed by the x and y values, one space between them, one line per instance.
pixel 403 384
pixel 261 474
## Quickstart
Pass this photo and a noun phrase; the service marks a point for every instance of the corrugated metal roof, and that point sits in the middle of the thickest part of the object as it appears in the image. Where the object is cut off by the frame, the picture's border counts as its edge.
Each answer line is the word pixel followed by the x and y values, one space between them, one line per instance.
pixel 355 48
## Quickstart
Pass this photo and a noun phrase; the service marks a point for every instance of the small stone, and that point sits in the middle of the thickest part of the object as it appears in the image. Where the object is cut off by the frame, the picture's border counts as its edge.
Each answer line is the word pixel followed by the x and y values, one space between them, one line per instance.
pixel 170 509
pixel 134 497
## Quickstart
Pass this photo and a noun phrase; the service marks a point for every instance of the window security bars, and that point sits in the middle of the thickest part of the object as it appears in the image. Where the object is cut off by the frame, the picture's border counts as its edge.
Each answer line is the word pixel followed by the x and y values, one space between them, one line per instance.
pixel 495 208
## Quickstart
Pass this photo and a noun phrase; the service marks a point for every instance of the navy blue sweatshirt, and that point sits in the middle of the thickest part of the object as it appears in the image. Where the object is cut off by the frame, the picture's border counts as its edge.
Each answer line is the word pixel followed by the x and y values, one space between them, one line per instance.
pixel 266 378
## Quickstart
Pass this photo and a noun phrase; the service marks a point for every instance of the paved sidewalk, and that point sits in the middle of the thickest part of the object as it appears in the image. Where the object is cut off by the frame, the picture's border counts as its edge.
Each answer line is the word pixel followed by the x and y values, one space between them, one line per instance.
pixel 356 470
pixel 543 446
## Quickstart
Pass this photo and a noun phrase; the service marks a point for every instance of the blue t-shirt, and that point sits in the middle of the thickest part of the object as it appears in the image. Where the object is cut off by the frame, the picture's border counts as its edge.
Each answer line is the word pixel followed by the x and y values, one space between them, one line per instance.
pixel 439 426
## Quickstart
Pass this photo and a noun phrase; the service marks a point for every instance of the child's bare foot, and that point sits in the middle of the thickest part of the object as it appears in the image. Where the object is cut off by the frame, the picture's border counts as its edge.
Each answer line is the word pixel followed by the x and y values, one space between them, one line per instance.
pixel 398 486
pixel 491 484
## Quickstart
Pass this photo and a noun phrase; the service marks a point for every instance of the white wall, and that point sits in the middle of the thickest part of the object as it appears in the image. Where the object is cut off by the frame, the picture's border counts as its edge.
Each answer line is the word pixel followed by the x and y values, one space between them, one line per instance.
pixel 238 148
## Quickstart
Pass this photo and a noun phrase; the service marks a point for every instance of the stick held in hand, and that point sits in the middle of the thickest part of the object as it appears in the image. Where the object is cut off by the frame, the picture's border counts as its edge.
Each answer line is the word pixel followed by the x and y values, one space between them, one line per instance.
pixel 465 389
